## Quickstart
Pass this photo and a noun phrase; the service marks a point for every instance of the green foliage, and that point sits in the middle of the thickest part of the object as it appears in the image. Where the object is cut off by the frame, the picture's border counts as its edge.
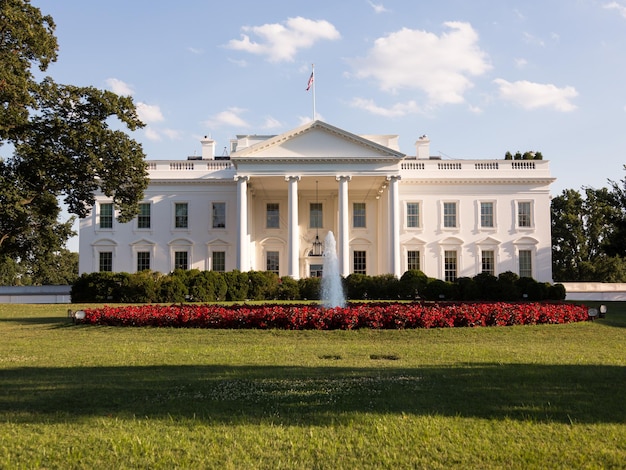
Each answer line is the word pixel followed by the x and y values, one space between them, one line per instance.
pixel 288 289
pixel 211 286
pixel 528 155
pixel 238 285
pixel 309 288
pixel 412 283
pixel 62 144
pixel 263 285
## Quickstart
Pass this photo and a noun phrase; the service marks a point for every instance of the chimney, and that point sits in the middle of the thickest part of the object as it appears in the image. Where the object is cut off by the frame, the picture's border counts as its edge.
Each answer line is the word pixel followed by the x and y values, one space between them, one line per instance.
pixel 208 148
pixel 422 148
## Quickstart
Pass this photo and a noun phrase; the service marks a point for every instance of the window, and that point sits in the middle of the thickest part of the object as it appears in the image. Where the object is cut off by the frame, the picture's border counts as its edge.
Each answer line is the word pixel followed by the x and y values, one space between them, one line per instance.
pixel 106 261
pixel 181 219
pixel 413 260
pixel 272 262
pixel 488 262
pixel 486 214
pixel 219 261
pixel 450 266
pixel 316 270
pixel 315 215
pixel 525 263
pixel 219 215
pixel 181 260
pixel 143 261
pixel 106 215
pixel 449 214
pixel 358 215
pixel 360 262
pixel 143 218
pixel 412 215
pixel 272 215
pixel 524 216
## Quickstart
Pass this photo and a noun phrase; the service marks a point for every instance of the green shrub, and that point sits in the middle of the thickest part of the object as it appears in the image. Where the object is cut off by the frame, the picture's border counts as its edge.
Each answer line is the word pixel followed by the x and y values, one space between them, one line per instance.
pixel 237 284
pixel 309 288
pixel 288 289
pixel 263 285
pixel 412 284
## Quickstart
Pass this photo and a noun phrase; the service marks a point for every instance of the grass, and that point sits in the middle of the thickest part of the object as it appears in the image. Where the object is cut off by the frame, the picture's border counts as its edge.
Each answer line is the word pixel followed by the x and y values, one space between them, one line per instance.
pixel 548 396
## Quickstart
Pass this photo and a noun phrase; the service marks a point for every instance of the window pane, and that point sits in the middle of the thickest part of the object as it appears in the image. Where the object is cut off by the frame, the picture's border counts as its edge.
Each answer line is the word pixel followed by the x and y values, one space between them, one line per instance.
pixel 523 214
pixel 219 261
pixel 525 263
pixel 358 215
pixel 219 215
pixel 143 219
pixel 272 262
pixel 488 262
pixel 181 260
pixel 486 214
pixel 143 260
pixel 413 260
pixel 360 262
pixel 413 215
pixel 106 261
pixel 315 214
pixel 449 214
pixel 181 220
pixel 316 270
pixel 450 265
pixel 106 215
pixel 272 215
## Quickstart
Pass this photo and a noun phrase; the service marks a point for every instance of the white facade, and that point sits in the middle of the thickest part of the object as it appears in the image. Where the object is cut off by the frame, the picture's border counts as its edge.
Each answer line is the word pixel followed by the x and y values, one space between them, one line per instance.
pixel 262 208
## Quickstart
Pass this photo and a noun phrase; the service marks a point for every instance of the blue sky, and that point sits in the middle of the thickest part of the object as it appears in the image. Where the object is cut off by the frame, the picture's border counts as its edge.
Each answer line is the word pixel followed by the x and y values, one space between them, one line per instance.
pixel 479 77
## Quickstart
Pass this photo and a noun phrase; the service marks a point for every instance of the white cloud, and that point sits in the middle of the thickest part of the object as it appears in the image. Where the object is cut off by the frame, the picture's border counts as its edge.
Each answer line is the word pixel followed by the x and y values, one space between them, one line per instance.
pixel 529 95
pixel 195 50
pixel 397 110
pixel 621 9
pixel 119 87
pixel 534 40
pixel 149 112
pixel 240 63
pixel 230 117
pixel 414 59
pixel 378 8
pixel 271 123
pixel 521 63
pixel 281 42
pixel 172 134
pixel 152 134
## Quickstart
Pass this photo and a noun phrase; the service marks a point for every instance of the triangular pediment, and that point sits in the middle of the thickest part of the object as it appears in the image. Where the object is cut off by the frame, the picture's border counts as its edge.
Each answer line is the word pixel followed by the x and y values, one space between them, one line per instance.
pixel 316 141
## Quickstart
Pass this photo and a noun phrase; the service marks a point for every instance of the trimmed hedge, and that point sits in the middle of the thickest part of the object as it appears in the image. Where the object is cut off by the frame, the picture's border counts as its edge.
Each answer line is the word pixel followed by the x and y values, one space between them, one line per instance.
pixel 211 286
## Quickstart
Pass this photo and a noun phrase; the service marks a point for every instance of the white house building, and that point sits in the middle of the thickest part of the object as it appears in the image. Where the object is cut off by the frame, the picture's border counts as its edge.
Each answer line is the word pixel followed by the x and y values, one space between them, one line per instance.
pixel 268 205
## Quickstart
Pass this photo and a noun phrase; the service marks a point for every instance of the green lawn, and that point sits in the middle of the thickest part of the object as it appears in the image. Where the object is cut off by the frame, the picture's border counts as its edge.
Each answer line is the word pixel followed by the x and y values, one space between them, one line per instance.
pixel 549 396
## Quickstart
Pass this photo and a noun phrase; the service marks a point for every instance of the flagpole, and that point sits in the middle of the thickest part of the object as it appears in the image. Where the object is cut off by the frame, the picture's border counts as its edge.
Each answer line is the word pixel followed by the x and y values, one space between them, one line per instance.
pixel 313 74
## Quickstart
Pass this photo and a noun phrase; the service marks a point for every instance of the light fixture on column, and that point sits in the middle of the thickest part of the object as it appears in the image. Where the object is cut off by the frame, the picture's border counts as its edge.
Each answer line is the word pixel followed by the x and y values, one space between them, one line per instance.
pixel 317 244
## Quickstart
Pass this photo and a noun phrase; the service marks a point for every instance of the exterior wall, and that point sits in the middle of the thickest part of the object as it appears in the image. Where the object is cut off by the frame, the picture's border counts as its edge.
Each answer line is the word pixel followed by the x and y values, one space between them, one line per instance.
pixel 317 155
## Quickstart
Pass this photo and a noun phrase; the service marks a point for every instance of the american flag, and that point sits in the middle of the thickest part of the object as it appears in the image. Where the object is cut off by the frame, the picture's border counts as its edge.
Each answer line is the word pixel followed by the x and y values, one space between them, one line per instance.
pixel 308 86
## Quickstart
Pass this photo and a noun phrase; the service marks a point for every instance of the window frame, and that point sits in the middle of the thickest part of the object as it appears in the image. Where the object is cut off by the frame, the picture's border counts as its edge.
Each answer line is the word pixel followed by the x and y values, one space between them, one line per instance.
pixel 481 215
pixel 409 215
pixel 272 261
pixel 416 255
pixel 359 262
pixel 217 218
pixel 445 216
pixel 450 265
pixel 272 216
pixel 484 260
pixel 143 217
pixel 519 214
pixel 101 261
pixel 177 262
pixel 176 216
pixel 108 217
pixel 140 254
pixel 525 271
pixel 359 217
pixel 318 216
pixel 215 260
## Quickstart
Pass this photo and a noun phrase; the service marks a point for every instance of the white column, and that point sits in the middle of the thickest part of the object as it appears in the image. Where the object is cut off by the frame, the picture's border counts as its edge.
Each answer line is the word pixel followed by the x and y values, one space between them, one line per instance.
pixel 293 263
pixel 344 226
pixel 242 213
pixel 394 225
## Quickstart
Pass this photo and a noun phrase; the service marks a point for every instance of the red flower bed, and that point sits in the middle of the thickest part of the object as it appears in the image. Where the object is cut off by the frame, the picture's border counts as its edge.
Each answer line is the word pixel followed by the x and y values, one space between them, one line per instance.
pixel 358 315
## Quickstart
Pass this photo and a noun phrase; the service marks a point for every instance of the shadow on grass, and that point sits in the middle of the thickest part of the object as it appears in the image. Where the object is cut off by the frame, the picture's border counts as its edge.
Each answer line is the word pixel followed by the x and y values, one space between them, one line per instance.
pixel 318 396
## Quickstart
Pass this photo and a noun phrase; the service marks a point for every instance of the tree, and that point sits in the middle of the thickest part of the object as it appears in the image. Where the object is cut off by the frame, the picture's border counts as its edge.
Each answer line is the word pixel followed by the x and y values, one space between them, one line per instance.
pixel 61 142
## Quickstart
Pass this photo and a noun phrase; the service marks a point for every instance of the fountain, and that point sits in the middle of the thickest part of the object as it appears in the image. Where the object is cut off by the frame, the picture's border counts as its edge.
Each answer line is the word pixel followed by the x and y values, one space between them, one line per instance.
pixel 332 288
